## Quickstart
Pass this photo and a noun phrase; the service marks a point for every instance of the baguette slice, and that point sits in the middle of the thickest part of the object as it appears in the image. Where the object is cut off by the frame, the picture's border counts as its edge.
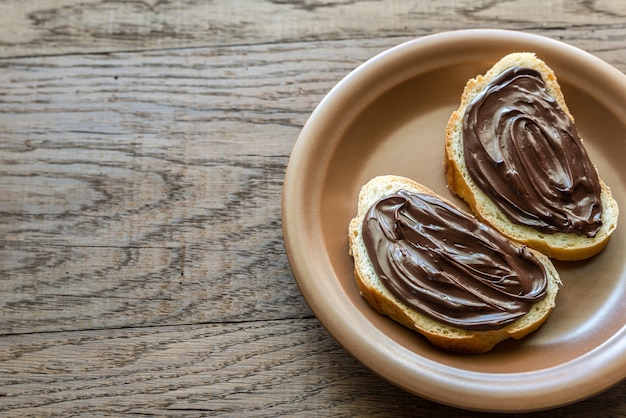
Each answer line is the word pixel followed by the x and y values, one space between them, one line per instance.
pixel 559 245
pixel 438 333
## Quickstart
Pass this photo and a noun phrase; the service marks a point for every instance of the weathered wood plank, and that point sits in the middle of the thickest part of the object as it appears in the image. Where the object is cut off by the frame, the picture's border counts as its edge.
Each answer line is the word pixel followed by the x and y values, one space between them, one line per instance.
pixel 264 368
pixel 144 189
pixel 33 27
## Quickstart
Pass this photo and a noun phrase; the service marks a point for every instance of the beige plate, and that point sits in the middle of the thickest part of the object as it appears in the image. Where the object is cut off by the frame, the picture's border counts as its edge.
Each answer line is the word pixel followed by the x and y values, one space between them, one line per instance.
pixel 388 117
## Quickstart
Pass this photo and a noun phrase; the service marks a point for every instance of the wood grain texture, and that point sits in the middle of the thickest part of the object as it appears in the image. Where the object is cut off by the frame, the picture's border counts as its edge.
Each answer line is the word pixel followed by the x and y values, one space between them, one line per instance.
pixel 35 28
pixel 143 146
pixel 146 190
pixel 256 368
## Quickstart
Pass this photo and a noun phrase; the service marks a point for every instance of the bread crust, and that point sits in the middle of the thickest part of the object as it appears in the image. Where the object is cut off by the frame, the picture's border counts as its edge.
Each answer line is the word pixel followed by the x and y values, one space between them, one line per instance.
pixel 560 245
pixel 441 335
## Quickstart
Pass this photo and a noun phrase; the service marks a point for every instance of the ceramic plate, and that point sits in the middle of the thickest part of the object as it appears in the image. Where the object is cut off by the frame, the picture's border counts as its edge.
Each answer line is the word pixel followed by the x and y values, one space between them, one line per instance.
pixel 388 117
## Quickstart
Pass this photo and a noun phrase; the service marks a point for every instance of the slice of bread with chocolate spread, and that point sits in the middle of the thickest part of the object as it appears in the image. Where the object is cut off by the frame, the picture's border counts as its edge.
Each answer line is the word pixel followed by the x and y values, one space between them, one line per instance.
pixel 441 272
pixel 514 155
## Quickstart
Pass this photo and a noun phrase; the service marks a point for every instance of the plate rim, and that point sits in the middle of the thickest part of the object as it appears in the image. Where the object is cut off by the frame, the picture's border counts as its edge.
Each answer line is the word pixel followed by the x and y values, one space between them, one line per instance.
pixel 563 382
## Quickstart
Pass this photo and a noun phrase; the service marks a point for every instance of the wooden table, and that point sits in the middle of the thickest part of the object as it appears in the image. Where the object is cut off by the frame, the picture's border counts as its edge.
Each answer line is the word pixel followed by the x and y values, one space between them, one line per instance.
pixel 143 146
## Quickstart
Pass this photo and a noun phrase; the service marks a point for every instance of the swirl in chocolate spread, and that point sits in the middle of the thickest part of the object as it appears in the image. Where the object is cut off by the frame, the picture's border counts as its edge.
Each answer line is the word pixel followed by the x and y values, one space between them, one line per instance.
pixel 525 153
pixel 449 266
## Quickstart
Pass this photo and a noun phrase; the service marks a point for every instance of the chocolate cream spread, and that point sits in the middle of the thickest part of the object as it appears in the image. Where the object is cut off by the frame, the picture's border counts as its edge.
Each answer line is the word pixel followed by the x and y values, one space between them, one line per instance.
pixel 449 266
pixel 525 153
